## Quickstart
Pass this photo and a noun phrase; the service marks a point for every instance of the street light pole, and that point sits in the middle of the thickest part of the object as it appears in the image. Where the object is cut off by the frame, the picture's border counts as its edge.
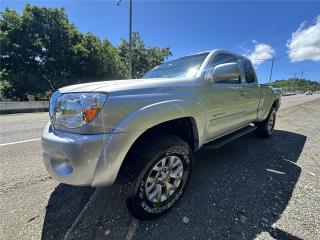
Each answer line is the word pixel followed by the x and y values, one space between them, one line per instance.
pixel 130 41
pixel 130 38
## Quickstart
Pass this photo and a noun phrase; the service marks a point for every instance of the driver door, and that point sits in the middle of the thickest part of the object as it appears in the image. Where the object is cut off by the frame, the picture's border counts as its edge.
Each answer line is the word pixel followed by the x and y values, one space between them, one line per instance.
pixel 225 102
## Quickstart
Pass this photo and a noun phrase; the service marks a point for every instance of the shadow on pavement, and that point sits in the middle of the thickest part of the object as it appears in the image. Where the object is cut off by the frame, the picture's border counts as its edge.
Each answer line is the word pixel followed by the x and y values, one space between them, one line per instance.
pixel 65 204
pixel 235 192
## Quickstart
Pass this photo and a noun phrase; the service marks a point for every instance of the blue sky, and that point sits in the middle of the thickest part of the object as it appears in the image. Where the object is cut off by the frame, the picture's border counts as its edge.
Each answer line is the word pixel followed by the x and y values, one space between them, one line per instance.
pixel 256 29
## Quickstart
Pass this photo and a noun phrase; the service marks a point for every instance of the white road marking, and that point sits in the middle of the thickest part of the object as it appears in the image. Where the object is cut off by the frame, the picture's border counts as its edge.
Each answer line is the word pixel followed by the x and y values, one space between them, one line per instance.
pixel 24 141
pixel 274 171
pixel 93 196
pixel 132 229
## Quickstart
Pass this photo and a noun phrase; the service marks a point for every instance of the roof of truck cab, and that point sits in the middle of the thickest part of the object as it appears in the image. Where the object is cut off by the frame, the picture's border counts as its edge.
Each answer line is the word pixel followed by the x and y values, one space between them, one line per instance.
pixel 230 52
pixel 216 50
pixel 198 53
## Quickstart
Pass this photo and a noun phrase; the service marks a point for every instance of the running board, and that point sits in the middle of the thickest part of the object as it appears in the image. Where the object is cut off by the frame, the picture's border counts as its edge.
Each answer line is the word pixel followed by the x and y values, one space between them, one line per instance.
pixel 215 144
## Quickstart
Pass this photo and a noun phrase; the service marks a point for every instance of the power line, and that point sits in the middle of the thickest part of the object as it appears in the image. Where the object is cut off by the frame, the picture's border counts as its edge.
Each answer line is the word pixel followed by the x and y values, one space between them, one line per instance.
pixel 292 73
pixel 272 62
pixel 275 58
pixel 297 73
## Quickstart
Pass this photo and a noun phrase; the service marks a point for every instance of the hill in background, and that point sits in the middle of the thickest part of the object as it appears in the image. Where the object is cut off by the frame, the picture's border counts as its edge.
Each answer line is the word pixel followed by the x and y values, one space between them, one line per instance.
pixel 297 85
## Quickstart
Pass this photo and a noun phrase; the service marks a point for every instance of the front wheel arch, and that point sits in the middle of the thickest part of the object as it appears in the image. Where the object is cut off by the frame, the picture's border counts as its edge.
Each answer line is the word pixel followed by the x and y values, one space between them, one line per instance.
pixel 136 166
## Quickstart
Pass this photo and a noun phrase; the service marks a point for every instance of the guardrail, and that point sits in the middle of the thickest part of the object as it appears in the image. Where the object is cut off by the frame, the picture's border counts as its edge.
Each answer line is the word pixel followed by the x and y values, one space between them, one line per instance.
pixel 289 94
pixel 24 107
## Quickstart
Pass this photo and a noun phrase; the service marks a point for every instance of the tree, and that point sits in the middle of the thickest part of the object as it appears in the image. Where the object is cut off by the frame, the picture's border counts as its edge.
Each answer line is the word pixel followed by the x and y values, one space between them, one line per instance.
pixel 143 58
pixel 297 85
pixel 36 48
pixel 41 51
pixel 97 60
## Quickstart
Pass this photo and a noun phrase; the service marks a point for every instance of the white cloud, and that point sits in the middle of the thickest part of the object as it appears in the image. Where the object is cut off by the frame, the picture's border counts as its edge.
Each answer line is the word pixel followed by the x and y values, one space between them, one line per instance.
pixel 260 53
pixel 305 43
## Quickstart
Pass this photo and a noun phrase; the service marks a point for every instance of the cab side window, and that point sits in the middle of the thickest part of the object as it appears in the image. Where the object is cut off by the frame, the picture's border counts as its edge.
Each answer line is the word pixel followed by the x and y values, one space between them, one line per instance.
pixel 248 71
pixel 221 59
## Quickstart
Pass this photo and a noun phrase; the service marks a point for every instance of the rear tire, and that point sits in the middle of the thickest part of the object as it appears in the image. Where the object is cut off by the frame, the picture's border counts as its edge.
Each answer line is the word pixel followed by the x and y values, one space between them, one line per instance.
pixel 265 128
pixel 154 175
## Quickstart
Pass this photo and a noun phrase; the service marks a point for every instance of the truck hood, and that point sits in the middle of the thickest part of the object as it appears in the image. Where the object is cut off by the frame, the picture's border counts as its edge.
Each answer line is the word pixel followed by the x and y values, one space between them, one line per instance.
pixel 122 85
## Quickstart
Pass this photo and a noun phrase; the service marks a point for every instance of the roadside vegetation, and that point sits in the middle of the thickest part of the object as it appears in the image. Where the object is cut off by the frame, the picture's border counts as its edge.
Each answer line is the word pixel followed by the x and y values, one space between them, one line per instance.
pixel 41 51
pixel 296 85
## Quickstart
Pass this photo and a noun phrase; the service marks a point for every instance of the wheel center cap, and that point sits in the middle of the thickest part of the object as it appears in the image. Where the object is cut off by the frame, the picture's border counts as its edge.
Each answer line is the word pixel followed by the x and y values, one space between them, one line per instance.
pixel 165 176
pixel 163 181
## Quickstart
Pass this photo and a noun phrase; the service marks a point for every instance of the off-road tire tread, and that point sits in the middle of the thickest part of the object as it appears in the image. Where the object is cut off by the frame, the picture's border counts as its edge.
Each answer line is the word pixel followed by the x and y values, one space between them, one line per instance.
pixel 131 168
pixel 262 127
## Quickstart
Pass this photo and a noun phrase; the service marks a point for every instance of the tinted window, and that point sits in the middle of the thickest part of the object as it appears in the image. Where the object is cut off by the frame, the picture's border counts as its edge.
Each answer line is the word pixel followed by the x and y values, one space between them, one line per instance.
pixel 248 71
pixel 221 59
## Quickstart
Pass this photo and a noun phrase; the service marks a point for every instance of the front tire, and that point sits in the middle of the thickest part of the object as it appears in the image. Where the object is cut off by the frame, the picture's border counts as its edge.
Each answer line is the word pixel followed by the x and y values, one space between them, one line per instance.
pixel 265 128
pixel 155 175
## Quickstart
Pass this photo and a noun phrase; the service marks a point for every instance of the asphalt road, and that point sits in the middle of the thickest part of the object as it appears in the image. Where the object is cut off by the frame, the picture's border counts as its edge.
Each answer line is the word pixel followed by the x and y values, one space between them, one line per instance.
pixel 248 189
pixel 289 101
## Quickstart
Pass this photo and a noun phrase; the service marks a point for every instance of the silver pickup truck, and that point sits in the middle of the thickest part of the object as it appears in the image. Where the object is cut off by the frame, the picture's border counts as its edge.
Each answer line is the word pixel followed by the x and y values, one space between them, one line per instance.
pixel 141 134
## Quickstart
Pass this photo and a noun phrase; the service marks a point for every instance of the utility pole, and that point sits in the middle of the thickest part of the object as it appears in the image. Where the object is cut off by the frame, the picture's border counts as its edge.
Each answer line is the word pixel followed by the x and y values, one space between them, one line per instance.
pixel 271 69
pixel 293 73
pixel 272 61
pixel 130 38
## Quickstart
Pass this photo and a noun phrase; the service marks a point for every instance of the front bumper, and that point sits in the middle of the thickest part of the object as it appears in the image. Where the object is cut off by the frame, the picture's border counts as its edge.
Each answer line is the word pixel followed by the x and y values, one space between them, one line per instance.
pixel 72 158
pixel 85 160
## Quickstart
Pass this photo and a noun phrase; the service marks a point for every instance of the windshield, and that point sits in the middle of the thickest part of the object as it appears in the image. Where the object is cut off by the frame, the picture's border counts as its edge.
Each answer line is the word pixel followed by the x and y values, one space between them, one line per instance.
pixel 181 67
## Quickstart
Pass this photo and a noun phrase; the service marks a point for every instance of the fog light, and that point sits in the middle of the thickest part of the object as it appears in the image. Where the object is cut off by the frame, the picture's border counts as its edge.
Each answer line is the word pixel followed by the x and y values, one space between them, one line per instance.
pixel 61 164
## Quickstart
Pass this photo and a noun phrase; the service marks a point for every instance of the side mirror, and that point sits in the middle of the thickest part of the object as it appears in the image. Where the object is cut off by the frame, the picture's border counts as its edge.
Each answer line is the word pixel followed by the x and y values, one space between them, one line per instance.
pixel 223 72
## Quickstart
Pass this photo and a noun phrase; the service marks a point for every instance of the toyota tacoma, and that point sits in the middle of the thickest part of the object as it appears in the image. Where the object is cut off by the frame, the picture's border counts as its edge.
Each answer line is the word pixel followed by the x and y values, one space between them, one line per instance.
pixel 140 134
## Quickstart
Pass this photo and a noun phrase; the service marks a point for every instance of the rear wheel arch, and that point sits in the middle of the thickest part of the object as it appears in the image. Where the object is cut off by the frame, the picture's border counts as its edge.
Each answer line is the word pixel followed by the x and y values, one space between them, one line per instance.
pixel 265 128
pixel 276 104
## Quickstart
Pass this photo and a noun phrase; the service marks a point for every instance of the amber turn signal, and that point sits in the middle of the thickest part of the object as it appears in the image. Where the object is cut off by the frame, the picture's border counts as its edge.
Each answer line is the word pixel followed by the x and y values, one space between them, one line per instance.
pixel 90 113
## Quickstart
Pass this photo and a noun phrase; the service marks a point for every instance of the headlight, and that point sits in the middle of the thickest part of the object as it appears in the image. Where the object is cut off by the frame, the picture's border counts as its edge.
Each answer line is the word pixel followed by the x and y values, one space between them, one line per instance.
pixel 72 110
